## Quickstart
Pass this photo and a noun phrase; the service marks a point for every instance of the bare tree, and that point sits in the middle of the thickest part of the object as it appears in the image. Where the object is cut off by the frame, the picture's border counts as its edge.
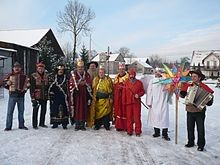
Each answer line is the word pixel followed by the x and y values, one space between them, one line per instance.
pixel 124 51
pixel 75 19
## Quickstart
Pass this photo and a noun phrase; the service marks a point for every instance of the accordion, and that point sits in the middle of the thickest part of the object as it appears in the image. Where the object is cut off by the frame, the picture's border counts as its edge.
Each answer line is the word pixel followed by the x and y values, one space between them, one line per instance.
pixel 198 97
pixel 19 82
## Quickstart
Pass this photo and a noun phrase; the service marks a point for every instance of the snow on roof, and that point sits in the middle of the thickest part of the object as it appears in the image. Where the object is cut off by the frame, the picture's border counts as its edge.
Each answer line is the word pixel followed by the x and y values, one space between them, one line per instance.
pixel 26 38
pixel 96 58
pixel 199 55
pixel 9 50
pixel 132 60
pixel 144 64
pixel 112 57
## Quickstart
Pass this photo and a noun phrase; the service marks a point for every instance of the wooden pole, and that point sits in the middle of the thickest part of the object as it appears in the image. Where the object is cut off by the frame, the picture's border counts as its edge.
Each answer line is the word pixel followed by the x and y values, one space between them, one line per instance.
pixel 176 127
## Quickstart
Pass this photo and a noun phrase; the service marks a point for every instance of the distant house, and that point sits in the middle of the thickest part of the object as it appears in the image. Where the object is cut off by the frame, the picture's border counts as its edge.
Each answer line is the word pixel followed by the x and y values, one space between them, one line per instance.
pixel 139 64
pixel 110 62
pixel 21 46
pixel 207 61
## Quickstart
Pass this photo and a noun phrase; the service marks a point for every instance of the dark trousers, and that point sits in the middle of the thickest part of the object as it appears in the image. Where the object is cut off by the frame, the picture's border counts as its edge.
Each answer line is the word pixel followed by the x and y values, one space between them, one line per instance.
pixel 197 118
pixel 43 105
pixel 103 121
pixel 164 131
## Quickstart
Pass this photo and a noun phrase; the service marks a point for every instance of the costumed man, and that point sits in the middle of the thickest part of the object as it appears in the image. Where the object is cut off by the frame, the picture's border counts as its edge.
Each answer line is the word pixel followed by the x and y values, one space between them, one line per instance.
pixel 119 107
pixel 92 69
pixel 194 114
pixel 17 83
pixel 133 90
pixel 80 95
pixel 39 94
pixel 158 102
pixel 101 108
pixel 58 90
pixel 93 72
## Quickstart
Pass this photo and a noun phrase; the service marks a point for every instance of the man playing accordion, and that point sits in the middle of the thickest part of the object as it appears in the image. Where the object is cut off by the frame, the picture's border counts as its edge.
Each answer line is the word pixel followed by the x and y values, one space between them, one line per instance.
pixel 196 113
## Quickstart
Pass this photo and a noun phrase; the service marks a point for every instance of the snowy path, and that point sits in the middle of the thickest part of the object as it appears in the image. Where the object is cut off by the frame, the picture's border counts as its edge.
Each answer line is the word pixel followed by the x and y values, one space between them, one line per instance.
pixel 48 146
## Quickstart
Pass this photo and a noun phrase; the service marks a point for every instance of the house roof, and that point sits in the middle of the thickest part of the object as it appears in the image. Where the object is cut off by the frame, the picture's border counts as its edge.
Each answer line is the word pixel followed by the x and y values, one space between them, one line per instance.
pixel 26 38
pixel 199 55
pixel 112 57
pixel 132 60
pixel 214 54
pixel 144 64
pixel 8 50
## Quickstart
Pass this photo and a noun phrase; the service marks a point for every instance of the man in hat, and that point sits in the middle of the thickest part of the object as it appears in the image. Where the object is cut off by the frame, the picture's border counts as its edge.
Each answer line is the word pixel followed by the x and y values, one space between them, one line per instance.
pixel 93 72
pixel 58 90
pixel 80 95
pixel 101 109
pixel 92 69
pixel 119 107
pixel 17 83
pixel 133 90
pixel 158 102
pixel 194 114
pixel 39 94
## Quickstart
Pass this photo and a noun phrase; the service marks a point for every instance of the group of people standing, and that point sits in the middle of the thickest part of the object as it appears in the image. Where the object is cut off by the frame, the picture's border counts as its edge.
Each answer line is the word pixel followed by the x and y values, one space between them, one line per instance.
pixel 91 99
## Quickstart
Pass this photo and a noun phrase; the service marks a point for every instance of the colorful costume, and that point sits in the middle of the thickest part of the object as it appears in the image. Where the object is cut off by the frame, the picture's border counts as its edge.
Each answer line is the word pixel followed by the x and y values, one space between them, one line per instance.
pixel 101 108
pixel 119 107
pixel 80 98
pixel 39 96
pixel 59 113
pixel 133 105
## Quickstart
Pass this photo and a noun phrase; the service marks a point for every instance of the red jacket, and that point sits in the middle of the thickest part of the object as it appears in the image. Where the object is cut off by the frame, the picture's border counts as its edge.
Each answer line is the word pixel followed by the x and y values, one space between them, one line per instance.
pixel 130 89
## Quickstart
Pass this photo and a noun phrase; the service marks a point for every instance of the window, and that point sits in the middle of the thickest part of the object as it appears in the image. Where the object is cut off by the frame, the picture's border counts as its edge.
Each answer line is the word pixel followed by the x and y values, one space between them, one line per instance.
pixel 208 64
pixel 214 64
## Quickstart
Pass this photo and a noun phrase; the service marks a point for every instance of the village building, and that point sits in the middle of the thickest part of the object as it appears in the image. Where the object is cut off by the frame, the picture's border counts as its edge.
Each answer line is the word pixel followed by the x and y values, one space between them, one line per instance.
pixel 109 62
pixel 139 64
pixel 22 46
pixel 207 61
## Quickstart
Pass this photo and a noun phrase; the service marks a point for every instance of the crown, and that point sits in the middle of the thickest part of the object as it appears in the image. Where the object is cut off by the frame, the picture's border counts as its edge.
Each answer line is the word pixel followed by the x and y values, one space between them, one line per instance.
pixel 60 67
pixel 101 67
pixel 121 65
pixel 80 63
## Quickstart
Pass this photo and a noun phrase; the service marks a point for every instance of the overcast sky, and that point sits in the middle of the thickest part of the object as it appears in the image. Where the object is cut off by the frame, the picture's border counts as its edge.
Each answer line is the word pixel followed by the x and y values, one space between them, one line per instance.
pixel 169 28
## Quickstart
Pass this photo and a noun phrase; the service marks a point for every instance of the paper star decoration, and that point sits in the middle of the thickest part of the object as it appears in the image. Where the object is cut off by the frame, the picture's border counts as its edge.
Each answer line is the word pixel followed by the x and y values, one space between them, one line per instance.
pixel 173 78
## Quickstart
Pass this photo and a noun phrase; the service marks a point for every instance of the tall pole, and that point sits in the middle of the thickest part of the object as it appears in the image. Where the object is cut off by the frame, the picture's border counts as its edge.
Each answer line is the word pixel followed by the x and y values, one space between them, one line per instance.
pixel 90 47
pixel 176 126
pixel 108 59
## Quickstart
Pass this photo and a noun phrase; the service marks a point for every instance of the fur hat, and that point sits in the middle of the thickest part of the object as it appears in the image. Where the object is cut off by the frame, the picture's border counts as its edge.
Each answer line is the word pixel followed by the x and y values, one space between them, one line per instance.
pixel 93 62
pixel 17 64
pixel 40 64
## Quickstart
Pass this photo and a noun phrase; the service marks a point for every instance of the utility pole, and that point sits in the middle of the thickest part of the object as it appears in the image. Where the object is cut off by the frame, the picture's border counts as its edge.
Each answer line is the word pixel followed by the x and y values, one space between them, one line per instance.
pixel 108 60
pixel 90 47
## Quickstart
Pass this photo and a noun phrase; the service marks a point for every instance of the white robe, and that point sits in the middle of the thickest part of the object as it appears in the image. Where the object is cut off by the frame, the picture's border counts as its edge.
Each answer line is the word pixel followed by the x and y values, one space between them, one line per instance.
pixel 158 115
pixel 145 80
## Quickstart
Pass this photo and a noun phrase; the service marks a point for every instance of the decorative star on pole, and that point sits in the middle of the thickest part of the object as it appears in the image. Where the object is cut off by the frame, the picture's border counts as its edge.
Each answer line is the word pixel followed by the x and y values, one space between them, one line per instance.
pixel 173 78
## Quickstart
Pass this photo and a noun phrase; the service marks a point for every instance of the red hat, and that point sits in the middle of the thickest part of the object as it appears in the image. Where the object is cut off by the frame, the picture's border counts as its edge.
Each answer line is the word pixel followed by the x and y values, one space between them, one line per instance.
pixel 40 64
pixel 132 71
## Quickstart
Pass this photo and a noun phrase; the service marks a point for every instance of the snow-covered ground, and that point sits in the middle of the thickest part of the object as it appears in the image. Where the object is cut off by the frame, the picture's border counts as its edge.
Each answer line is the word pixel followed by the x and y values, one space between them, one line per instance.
pixel 67 147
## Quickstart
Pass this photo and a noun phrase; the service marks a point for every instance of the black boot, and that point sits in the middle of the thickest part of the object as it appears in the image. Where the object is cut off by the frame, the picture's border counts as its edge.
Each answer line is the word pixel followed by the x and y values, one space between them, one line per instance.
pixel 156 132
pixel 64 126
pixel 54 126
pixel 165 134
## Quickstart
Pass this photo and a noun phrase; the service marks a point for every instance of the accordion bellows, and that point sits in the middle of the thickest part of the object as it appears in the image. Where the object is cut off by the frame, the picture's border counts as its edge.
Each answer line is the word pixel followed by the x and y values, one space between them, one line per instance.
pixel 198 97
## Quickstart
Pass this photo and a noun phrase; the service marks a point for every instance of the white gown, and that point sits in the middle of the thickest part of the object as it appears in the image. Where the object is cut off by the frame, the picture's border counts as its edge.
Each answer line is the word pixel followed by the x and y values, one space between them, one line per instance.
pixel 158 115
